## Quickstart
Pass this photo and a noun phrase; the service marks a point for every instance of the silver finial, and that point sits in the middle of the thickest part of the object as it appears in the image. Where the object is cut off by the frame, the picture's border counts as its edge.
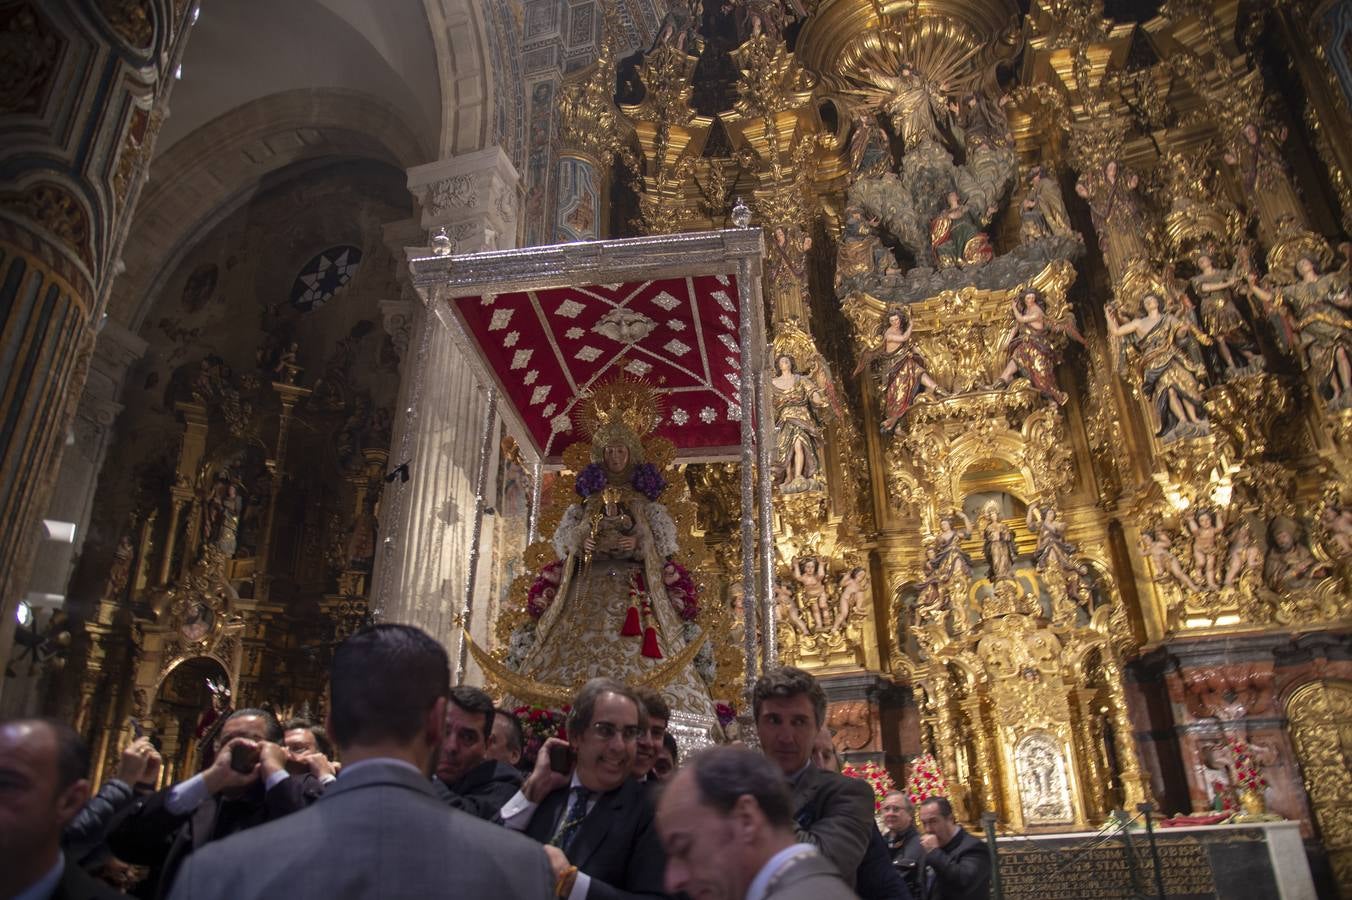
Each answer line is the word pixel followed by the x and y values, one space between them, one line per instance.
pixel 741 214
pixel 441 242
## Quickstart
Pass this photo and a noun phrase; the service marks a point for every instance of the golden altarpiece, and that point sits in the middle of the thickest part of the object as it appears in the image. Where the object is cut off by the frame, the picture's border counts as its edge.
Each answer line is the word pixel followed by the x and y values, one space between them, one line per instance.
pixel 1059 374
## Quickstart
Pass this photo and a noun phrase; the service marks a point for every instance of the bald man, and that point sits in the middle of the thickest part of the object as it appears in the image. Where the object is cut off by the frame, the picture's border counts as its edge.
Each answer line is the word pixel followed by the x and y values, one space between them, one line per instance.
pixel 43 785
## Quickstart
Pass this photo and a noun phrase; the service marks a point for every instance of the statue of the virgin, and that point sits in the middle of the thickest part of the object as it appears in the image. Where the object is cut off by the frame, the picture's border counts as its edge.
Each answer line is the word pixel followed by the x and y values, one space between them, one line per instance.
pixel 617 602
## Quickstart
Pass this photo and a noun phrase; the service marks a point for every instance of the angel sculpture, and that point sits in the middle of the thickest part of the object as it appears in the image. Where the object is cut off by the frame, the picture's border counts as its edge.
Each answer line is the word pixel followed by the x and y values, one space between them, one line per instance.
pixel 907 371
pixel 807 572
pixel 1336 519
pixel 854 587
pixel 785 610
pixel 1208 529
pixel 1221 318
pixel 1031 353
pixel 1171 365
pixel 1158 547
pixel 1322 311
pixel 801 405
pixel 1243 555
pixel 997 542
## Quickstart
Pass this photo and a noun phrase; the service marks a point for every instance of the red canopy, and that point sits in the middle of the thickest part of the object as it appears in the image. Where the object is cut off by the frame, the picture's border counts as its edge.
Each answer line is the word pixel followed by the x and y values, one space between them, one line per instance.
pixel 547 348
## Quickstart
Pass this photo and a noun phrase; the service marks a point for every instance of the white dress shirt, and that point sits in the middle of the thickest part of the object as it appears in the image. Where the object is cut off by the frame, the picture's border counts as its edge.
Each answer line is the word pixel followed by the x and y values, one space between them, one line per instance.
pixel 517 813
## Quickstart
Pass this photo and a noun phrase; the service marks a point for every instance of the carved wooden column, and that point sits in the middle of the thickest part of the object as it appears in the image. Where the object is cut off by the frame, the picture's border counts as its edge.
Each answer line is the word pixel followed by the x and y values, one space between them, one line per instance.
pixel 426 523
pixel 83 95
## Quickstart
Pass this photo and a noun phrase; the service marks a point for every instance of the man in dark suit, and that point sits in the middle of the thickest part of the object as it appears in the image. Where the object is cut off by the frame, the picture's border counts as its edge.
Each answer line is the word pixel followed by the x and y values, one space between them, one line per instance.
pixel 466 779
pixel 957 865
pixel 380 830
pixel 43 785
pixel 834 813
pixel 903 840
pixel 727 825
pixel 232 794
pixel 596 822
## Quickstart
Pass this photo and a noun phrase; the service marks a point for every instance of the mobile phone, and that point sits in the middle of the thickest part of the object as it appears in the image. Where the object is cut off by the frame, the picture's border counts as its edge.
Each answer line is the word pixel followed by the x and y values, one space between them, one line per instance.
pixel 243 758
pixel 562 758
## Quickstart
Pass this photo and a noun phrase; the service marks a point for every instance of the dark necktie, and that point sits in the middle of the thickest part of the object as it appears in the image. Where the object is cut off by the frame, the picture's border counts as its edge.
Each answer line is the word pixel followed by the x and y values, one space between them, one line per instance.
pixel 577 811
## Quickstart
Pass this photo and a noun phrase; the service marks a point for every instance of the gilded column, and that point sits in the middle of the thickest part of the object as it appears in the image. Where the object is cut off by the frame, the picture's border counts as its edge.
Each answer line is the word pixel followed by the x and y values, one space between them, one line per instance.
pixel 82 97
pixel 425 522
pixel 992 797
pixel 1135 784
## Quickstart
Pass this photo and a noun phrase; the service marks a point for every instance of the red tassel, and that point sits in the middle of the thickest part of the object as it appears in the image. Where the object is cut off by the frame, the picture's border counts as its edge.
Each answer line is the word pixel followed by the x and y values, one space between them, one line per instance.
pixel 631 628
pixel 650 648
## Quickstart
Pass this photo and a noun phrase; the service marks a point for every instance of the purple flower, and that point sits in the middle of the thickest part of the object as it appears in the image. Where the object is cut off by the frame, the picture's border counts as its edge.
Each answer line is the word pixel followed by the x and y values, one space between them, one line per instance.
pixel 726 714
pixel 648 481
pixel 591 480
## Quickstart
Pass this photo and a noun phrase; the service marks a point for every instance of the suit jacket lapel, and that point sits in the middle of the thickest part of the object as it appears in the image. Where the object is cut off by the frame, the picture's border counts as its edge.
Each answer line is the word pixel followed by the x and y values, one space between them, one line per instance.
pixel 591 834
pixel 204 821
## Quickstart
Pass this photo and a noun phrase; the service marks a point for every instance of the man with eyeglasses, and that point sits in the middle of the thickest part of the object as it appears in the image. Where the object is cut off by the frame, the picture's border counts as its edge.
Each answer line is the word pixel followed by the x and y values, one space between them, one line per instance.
pixel 595 821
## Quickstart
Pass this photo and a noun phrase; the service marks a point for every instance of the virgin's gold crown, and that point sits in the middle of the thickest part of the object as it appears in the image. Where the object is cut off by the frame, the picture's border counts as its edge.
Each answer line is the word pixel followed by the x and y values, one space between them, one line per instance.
pixel 630 403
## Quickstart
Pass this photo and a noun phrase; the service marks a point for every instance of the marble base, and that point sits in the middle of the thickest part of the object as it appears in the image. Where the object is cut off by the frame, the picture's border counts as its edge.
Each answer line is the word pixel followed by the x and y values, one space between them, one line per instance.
pixel 1217 862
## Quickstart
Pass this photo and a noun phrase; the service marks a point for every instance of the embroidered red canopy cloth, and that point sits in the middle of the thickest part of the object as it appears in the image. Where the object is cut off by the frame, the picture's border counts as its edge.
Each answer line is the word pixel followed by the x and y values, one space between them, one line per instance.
pixel 549 347
pixel 550 324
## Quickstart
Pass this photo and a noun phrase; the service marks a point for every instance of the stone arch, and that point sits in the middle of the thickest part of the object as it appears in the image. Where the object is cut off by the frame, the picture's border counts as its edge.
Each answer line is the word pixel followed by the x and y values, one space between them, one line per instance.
pixel 461 33
pixel 206 175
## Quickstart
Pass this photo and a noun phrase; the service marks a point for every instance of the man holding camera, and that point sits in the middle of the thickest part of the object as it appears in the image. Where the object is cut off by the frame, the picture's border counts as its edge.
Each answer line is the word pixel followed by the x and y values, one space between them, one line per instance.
pixel 595 821
pixel 246 785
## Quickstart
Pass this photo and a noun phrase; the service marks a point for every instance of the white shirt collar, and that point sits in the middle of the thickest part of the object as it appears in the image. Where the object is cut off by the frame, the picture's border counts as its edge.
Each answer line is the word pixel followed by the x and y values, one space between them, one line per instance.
pixel 761 882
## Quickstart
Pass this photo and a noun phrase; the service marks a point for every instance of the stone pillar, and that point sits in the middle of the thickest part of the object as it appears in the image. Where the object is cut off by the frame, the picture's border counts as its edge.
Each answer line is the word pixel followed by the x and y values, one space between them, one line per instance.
pixel 83 99
pixel 426 523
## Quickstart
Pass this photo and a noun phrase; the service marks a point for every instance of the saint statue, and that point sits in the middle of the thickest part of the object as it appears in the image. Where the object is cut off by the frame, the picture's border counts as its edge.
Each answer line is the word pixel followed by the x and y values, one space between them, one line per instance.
pixel 915 105
pixel 680 25
pixel 612 612
pixel 860 252
pixel 956 236
pixel 870 152
pixel 997 542
pixel 907 371
pixel 220 516
pixel 1052 550
pixel 1289 564
pixel 800 405
pixel 786 267
pixel 1171 366
pixel 1116 209
pixel 949 557
pixel 1264 177
pixel 1044 211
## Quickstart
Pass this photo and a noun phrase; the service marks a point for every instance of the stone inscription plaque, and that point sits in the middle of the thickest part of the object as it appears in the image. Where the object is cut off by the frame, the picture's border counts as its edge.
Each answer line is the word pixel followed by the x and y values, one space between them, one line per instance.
pixel 1229 866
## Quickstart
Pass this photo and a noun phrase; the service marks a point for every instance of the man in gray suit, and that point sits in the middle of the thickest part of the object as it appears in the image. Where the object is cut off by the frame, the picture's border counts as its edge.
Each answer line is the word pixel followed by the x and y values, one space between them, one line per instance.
pixel 832 812
pixel 726 823
pixel 380 830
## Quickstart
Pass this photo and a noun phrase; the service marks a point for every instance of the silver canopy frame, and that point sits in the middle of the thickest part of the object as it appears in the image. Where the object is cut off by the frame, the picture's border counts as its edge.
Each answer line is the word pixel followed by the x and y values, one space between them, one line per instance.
pixel 740 251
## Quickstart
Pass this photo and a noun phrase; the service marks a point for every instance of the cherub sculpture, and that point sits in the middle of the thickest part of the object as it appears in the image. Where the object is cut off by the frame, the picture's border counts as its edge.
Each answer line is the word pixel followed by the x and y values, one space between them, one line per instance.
pixel 854 587
pixel 1158 547
pixel 1208 530
pixel 811 579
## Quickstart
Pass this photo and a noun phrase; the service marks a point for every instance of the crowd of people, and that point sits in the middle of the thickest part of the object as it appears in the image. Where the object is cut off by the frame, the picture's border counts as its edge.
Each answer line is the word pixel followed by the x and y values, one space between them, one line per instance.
pixel 431 800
